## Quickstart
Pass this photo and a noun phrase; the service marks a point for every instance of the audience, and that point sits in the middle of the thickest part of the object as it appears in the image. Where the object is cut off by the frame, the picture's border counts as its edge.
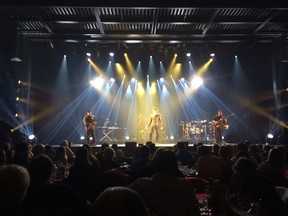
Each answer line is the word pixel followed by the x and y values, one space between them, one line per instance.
pixel 150 183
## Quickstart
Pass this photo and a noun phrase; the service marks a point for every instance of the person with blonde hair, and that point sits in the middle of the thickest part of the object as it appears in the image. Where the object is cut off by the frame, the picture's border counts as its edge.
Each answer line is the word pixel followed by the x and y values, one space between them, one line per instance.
pixel 155 124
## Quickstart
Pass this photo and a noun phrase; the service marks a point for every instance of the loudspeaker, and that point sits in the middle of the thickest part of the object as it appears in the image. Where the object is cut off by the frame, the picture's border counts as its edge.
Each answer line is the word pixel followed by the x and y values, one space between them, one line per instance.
pixel 130 148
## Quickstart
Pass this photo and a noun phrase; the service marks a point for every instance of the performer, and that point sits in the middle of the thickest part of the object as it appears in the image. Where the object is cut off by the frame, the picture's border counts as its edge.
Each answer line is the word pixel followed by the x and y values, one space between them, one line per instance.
pixel 219 123
pixel 89 122
pixel 140 127
pixel 155 123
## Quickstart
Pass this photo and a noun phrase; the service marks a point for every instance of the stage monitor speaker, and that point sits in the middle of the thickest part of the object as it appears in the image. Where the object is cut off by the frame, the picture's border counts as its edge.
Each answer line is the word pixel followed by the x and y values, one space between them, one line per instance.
pixel 130 148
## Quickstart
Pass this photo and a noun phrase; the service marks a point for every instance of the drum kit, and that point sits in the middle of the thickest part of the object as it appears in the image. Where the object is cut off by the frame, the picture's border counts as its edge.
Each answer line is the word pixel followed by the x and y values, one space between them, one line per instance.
pixel 197 131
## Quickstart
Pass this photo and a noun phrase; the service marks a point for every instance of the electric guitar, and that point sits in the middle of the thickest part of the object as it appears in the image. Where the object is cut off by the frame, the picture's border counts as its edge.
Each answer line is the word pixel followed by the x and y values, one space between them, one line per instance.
pixel 90 125
pixel 222 122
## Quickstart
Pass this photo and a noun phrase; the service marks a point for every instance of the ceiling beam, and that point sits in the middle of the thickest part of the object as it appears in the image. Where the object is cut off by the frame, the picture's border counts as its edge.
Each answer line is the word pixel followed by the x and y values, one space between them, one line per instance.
pixel 98 19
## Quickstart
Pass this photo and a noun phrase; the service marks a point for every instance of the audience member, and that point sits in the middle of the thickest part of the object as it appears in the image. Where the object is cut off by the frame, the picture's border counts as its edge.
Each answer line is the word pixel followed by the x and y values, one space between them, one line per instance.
pixel 82 174
pixel 120 201
pixel 184 156
pixel 70 154
pixel 21 154
pixel 208 166
pixel 14 183
pixel 109 161
pixel 273 167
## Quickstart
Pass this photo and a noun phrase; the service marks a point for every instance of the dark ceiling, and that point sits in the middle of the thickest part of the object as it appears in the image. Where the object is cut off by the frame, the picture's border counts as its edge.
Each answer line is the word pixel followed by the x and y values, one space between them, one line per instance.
pixel 100 21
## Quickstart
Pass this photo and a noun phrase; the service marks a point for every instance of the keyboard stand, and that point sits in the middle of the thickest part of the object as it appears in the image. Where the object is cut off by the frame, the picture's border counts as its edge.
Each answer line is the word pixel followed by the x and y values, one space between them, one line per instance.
pixel 106 133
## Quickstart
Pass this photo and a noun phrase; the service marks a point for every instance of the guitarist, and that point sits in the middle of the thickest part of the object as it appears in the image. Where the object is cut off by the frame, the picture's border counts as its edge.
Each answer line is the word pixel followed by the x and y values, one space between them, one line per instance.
pixel 89 122
pixel 219 122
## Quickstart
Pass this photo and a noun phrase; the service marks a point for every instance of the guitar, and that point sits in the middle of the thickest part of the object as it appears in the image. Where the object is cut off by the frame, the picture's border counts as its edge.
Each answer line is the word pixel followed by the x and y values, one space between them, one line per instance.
pixel 222 122
pixel 91 125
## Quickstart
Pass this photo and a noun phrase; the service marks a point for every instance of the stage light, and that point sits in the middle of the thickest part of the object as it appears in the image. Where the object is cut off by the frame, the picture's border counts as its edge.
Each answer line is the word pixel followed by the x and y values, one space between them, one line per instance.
pixel 196 82
pixel 270 139
pixel 97 83
pixel 188 54
pixel 125 54
pixel 82 137
pixel 212 54
pixel 17 98
pixel 64 56
pixel 236 56
pixel 139 62
pixel 161 79
pixel 175 55
pixel 127 137
pixel 270 136
pixel 88 59
pixel 19 81
pixel 112 80
pixel 88 54
pixel 133 80
pixel 31 137
pixel 16 115
pixel 111 54
pixel 171 137
pixel 182 79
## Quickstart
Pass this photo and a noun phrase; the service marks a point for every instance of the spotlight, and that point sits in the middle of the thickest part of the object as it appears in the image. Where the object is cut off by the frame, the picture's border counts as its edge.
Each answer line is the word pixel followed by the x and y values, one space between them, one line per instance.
pixel 88 54
pixel 188 54
pixel 111 54
pixel 212 54
pixel 19 81
pixel 196 82
pixel 270 139
pixel 31 137
pixel 16 115
pixel 64 56
pixel 17 98
pixel 161 79
pixel 172 137
pixel 133 80
pixel 182 79
pixel 82 138
pixel 270 136
pixel 236 56
pixel 127 137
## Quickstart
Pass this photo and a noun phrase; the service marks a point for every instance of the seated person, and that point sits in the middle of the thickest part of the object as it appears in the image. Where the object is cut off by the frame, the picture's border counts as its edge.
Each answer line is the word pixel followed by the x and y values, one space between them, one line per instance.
pixel 120 201
pixel 165 193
